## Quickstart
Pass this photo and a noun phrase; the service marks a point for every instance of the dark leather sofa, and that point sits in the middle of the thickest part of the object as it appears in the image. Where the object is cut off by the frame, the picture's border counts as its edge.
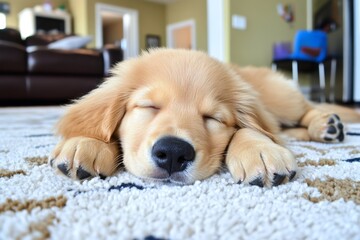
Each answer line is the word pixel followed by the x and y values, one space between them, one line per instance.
pixel 32 72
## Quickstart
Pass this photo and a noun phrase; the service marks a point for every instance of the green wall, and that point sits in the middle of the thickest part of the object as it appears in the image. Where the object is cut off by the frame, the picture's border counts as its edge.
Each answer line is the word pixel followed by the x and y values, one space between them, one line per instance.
pixel 183 10
pixel 253 46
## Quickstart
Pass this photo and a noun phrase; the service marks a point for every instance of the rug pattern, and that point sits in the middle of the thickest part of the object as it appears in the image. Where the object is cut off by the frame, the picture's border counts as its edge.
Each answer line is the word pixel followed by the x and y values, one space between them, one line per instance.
pixel 323 202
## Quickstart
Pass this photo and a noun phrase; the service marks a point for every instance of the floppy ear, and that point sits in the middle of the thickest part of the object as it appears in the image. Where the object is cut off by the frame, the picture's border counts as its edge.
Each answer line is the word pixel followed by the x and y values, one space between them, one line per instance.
pixel 97 114
pixel 250 113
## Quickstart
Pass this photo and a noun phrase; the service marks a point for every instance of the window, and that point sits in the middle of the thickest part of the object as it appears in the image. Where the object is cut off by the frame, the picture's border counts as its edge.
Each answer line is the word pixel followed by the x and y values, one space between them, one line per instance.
pixel 2 21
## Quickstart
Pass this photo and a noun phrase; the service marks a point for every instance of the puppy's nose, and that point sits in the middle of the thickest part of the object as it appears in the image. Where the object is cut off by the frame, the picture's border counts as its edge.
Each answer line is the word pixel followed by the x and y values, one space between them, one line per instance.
pixel 172 154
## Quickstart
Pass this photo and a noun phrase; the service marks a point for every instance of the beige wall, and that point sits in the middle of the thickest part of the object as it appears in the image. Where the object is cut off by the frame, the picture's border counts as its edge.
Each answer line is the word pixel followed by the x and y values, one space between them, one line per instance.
pixel 190 9
pixel 78 11
pixel 17 5
pixel 253 46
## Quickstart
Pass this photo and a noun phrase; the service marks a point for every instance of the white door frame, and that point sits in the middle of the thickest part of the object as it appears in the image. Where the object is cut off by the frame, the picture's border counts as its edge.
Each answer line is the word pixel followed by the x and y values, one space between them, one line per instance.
pixel 356 68
pixel 174 26
pixel 130 27
pixel 216 29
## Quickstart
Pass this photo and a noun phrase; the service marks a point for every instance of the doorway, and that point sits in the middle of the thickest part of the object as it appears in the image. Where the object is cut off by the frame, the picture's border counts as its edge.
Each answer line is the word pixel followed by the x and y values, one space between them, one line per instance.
pixel 118 26
pixel 181 35
pixel 112 28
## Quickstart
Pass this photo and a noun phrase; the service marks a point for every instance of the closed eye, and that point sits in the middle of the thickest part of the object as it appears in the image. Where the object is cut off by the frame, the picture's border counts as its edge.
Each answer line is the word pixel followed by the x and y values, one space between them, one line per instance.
pixel 212 118
pixel 147 104
pixel 148 107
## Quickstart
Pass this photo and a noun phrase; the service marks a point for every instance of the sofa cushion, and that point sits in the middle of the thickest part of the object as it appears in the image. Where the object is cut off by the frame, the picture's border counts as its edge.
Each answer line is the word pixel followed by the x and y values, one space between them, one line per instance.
pixel 13 57
pixel 71 42
pixel 73 62
pixel 43 39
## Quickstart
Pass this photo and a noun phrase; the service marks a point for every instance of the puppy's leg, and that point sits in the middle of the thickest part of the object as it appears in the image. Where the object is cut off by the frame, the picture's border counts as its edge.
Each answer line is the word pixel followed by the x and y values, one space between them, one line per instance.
pixel 81 158
pixel 300 134
pixel 317 126
pixel 255 159
pixel 323 126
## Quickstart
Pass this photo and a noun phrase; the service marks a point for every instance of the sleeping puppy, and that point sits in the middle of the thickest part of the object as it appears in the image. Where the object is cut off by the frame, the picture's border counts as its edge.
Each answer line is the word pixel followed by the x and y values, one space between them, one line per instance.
pixel 178 115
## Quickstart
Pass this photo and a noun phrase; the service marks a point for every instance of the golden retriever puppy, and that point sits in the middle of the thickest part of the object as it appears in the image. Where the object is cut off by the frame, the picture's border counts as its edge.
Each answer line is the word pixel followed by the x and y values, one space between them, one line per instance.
pixel 177 115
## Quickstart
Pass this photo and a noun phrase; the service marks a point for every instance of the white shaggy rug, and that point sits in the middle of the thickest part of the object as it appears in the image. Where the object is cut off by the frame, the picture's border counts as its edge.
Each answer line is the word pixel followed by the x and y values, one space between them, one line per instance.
pixel 323 202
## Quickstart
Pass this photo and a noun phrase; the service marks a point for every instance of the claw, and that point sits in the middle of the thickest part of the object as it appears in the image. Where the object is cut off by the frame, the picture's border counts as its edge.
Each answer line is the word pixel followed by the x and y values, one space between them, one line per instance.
pixel 278 179
pixel 257 182
pixel 102 176
pixel 82 174
pixel 52 162
pixel 292 175
pixel 63 168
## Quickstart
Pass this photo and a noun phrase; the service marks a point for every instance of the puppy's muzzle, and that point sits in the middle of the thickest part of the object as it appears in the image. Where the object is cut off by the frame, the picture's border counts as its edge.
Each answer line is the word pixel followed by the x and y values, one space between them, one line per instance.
pixel 172 154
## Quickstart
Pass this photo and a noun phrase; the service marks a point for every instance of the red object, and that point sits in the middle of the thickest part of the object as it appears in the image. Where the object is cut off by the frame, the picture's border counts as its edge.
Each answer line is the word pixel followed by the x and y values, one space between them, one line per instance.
pixel 314 52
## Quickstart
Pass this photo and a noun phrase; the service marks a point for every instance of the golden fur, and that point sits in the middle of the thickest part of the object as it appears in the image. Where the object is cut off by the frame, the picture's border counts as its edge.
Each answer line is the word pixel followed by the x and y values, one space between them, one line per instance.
pixel 224 112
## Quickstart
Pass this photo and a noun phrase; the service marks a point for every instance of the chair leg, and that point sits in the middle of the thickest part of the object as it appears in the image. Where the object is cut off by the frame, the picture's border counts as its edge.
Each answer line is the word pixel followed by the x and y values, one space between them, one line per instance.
pixel 274 67
pixel 322 81
pixel 295 74
pixel 332 80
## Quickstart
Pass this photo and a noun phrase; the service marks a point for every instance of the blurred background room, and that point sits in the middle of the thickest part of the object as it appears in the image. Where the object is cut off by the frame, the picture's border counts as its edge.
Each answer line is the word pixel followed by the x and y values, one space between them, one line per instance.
pixel 52 51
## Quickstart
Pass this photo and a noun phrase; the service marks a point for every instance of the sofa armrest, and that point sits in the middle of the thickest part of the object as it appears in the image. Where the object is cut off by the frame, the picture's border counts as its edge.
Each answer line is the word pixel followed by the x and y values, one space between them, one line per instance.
pixel 111 56
pixel 11 35
pixel 43 60
pixel 18 46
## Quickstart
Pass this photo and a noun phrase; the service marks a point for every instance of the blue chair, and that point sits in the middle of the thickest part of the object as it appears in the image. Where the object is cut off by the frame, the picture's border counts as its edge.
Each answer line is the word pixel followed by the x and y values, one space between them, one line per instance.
pixel 309 53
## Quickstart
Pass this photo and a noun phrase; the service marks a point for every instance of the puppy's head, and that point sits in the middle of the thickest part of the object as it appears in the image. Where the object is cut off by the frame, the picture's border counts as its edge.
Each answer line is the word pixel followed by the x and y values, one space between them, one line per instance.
pixel 174 112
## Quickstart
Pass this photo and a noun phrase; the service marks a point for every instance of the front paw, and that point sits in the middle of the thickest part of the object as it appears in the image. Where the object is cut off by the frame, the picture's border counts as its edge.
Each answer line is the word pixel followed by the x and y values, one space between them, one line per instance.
pixel 81 158
pixel 261 164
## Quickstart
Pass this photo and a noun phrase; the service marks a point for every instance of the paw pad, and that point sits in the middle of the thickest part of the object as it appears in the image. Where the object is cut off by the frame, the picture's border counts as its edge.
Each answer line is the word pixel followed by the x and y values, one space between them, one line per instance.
pixel 334 129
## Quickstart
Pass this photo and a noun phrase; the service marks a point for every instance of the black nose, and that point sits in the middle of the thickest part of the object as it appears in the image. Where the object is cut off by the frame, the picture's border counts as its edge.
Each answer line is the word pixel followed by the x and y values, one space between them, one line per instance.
pixel 172 154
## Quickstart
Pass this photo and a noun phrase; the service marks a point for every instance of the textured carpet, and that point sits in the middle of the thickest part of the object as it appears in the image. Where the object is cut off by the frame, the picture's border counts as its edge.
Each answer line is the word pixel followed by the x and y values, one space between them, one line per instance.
pixel 323 202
